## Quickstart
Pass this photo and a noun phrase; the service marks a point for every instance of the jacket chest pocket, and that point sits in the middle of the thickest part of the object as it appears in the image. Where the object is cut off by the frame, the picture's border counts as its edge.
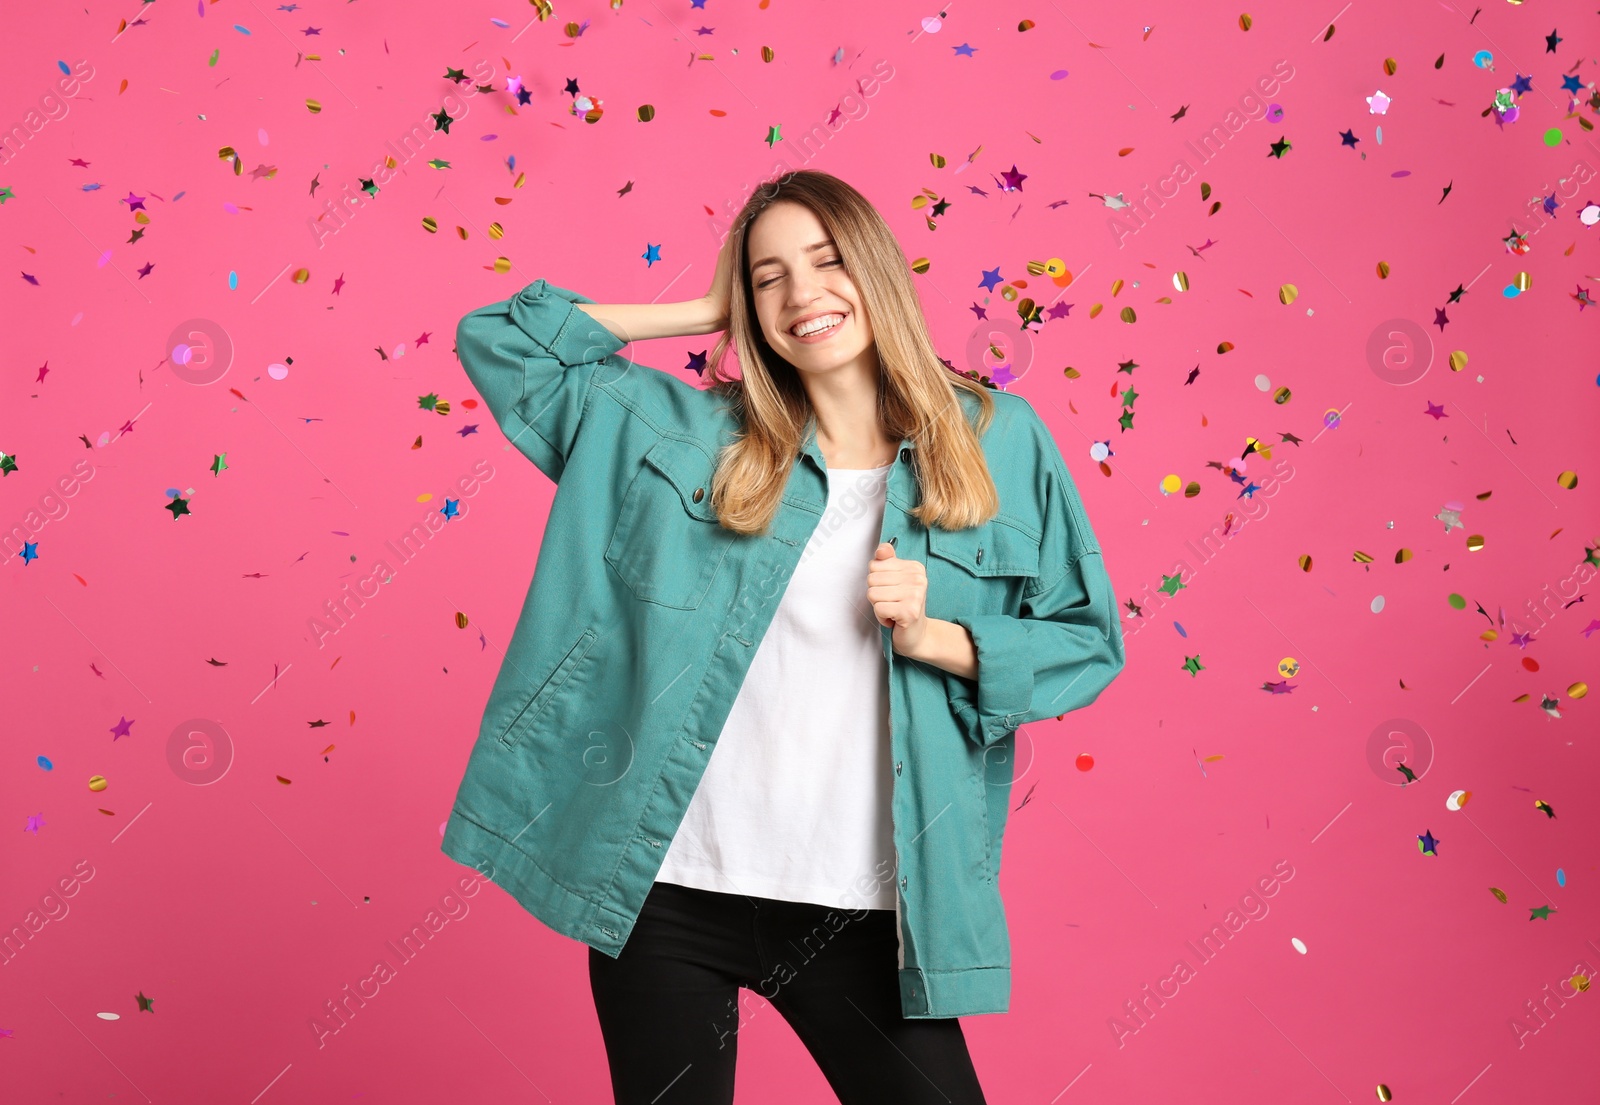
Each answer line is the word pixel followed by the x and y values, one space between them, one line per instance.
pixel 666 544
pixel 982 570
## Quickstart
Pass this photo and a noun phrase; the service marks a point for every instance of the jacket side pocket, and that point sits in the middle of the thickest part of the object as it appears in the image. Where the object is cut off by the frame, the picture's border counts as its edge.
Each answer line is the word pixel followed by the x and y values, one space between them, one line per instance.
pixel 530 714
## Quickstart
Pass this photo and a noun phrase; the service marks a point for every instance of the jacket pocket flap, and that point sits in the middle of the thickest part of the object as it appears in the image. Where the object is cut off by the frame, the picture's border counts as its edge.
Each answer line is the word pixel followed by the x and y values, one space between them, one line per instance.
pixel 992 549
pixel 688 468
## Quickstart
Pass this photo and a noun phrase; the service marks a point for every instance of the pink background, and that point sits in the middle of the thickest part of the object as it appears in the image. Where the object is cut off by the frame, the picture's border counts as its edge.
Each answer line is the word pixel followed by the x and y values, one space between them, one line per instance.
pixel 242 905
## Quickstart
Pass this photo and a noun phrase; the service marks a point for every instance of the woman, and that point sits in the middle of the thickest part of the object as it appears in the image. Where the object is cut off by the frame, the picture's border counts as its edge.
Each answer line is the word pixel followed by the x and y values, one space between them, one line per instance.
pixel 734 744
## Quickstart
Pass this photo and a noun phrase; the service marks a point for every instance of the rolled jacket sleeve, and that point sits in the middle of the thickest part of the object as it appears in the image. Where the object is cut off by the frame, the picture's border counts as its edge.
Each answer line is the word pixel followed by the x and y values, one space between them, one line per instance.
pixel 1066 645
pixel 533 358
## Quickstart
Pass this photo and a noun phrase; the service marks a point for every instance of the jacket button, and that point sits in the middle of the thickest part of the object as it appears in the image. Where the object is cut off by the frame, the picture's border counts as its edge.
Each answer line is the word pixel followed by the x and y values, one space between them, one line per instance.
pixel 905 455
pixel 897 767
pixel 699 493
pixel 902 882
pixel 980 554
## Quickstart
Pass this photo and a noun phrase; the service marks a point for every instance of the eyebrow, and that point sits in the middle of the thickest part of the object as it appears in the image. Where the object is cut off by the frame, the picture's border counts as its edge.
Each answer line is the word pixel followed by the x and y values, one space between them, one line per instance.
pixel 809 249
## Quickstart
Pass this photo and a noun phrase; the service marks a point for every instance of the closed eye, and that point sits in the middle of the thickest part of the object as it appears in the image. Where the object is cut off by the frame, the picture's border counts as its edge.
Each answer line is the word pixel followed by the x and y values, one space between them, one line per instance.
pixel 775 279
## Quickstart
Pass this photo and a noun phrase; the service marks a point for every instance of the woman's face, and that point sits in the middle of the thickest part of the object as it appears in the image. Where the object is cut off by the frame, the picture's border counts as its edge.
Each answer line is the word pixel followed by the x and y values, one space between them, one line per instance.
pixel 796 274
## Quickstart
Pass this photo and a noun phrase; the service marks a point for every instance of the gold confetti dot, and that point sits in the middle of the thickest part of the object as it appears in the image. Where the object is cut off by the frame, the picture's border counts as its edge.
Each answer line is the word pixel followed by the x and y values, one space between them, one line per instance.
pixel 97 782
pixel 1568 480
pixel 1287 294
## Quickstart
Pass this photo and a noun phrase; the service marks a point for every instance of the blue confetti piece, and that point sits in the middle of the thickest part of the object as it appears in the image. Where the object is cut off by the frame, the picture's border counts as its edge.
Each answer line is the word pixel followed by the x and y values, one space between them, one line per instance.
pixel 1561 876
pixel 1380 136
pixel 241 30
pixel 61 65
pixel 91 187
pixel 179 196
pixel 233 281
pixel 501 23
pixel 44 762
pixel 1182 632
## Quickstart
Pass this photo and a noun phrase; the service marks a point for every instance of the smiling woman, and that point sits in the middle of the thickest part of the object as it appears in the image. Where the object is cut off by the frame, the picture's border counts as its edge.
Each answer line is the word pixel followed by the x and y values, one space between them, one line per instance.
pixel 728 718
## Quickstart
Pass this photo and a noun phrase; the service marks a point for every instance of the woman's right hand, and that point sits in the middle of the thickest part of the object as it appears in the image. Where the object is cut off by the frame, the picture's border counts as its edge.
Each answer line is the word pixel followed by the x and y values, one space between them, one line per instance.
pixel 721 292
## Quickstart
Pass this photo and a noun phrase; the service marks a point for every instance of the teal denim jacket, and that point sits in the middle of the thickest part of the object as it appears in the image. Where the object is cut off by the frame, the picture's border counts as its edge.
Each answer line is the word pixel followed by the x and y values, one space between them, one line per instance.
pixel 644 614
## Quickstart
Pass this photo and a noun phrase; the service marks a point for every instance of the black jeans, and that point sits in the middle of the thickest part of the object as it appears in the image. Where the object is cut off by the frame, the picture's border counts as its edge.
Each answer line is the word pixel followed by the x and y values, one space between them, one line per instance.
pixel 670 1012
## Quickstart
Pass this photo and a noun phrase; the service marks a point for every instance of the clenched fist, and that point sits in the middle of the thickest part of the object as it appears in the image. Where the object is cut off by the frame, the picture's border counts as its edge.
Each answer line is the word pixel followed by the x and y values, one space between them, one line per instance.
pixel 898 590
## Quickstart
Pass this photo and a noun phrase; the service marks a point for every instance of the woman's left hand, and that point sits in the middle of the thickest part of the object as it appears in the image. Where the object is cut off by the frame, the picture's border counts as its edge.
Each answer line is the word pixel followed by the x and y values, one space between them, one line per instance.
pixel 898 590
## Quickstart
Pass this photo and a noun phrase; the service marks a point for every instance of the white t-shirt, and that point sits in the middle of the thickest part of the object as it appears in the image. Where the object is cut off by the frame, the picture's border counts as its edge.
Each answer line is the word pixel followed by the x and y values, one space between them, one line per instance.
pixel 794 803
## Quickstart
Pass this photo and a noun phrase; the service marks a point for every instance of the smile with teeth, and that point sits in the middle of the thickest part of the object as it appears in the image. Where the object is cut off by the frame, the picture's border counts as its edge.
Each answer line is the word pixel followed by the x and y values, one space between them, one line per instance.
pixel 813 327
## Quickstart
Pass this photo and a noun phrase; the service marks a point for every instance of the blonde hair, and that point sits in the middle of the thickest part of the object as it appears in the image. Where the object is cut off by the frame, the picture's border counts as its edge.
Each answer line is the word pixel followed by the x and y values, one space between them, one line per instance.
pixel 918 396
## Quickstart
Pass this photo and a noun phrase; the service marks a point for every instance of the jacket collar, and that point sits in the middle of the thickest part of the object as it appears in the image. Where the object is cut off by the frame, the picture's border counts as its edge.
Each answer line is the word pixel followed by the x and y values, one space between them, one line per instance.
pixel 902 490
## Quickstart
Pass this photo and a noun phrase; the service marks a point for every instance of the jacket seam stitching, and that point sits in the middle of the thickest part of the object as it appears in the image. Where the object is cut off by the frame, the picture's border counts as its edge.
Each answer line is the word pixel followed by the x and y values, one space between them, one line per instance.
pixel 498 835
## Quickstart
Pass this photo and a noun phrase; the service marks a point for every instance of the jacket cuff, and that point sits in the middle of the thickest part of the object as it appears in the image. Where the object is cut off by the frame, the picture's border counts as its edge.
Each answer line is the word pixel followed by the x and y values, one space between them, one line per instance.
pixel 549 316
pixel 1005 678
